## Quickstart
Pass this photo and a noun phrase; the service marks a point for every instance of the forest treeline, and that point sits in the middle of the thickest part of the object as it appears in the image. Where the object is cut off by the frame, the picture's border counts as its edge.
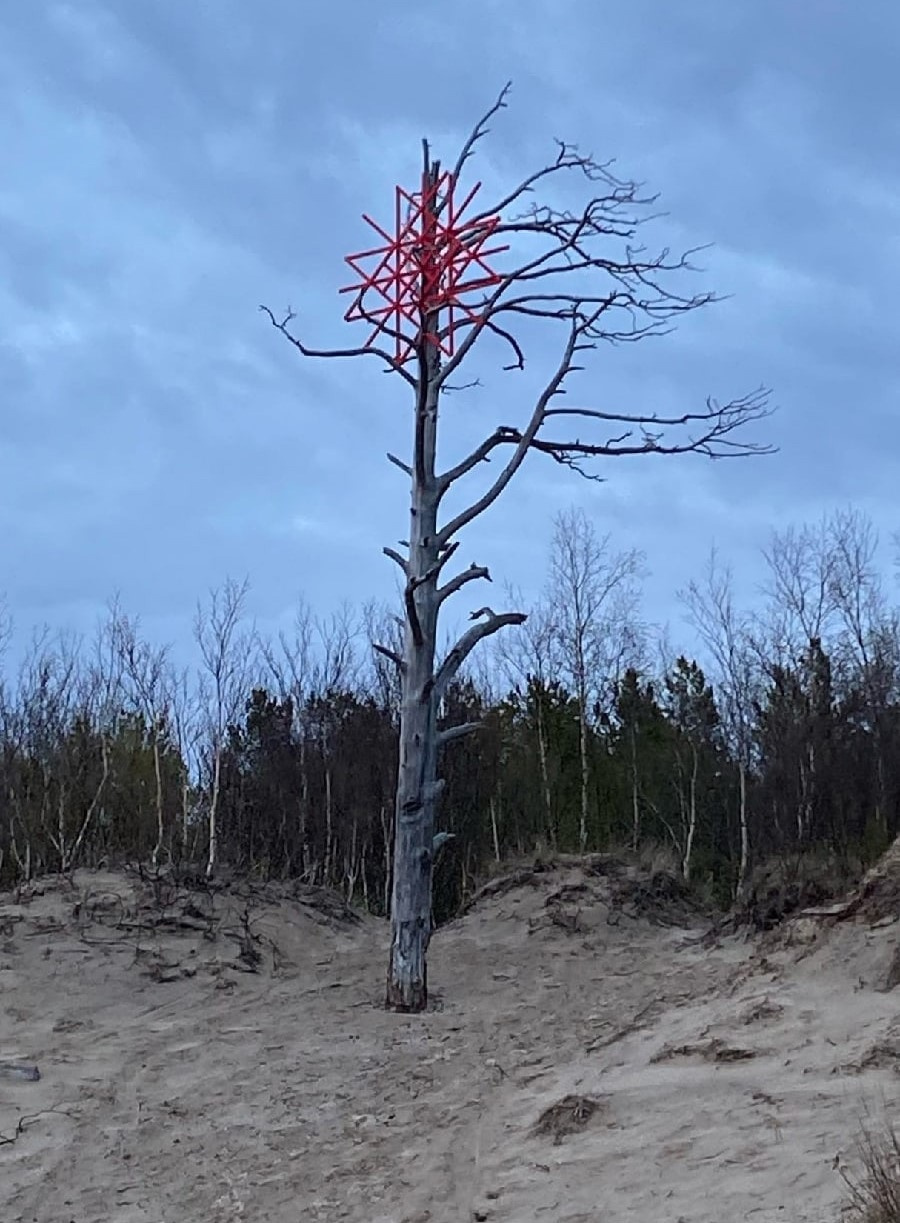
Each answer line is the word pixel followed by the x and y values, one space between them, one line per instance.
pixel 777 735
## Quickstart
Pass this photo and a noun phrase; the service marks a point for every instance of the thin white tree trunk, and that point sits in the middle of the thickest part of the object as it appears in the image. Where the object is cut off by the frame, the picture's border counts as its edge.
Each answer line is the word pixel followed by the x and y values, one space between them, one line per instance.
pixel 692 816
pixel 585 774
pixel 329 826
pixel 545 779
pixel 745 834
pixel 635 796
pixel 494 831
pixel 212 859
pixel 157 771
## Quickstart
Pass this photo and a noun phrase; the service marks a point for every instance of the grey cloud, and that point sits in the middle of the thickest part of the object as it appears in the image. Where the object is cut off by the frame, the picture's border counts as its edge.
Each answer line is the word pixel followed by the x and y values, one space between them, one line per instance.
pixel 174 164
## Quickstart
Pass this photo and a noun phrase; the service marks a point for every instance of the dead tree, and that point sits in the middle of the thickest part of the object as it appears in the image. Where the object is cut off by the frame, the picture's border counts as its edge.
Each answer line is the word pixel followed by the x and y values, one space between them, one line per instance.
pixel 584 275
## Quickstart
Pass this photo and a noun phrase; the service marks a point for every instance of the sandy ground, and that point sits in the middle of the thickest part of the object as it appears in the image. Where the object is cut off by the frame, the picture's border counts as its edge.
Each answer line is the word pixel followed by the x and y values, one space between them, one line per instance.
pixel 715 1083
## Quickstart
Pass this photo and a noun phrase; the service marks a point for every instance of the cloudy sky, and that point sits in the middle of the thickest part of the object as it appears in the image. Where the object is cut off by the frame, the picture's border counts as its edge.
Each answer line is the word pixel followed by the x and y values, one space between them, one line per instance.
pixel 170 164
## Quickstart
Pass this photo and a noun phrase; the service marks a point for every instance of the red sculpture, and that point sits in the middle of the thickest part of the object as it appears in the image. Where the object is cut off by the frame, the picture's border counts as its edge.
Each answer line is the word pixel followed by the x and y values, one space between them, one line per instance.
pixel 421 270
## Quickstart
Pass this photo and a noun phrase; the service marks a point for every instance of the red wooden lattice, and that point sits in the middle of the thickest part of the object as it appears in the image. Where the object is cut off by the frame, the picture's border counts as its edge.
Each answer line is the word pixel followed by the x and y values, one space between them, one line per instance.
pixel 424 268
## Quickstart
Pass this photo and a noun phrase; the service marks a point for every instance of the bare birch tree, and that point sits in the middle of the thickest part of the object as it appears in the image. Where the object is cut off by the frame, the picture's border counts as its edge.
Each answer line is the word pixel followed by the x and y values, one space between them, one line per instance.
pixel 800 589
pixel 333 675
pixel 531 657
pixel 187 727
pixel 870 640
pixel 585 275
pixel 225 656
pixel 145 674
pixel 594 594
pixel 291 667
pixel 726 633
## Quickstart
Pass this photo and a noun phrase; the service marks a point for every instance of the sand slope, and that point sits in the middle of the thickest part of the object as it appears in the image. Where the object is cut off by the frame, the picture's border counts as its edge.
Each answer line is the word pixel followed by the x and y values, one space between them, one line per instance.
pixel 698 1083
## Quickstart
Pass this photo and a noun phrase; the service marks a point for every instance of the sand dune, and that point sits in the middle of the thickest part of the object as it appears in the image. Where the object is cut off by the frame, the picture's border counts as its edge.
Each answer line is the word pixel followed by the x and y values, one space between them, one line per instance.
pixel 580 1062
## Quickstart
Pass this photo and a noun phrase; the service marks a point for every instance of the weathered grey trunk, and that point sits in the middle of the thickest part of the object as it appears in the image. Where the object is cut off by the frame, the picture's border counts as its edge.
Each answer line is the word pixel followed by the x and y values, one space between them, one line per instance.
pixel 417 784
pixel 422 685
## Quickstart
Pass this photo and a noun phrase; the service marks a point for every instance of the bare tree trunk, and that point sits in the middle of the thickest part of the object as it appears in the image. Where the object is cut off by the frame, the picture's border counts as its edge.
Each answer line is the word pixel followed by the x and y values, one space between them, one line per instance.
pixel 635 795
pixel 692 816
pixel 549 822
pixel 160 825
pixel 72 854
pixel 727 634
pixel 304 805
pixel 329 825
pixel 494 831
pixel 212 857
pixel 585 773
pixel 61 826
pixel 386 832
pixel 226 658
pixel 351 867
pixel 417 786
pixel 745 835
pixel 185 817
pixel 364 879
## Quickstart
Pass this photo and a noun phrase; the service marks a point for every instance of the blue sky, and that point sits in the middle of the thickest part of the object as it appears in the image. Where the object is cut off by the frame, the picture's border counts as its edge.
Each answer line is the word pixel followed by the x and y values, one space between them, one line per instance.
pixel 171 164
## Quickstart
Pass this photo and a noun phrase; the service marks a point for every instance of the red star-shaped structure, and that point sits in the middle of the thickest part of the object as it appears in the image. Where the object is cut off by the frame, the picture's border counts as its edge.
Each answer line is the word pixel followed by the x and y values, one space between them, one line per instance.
pixel 422 269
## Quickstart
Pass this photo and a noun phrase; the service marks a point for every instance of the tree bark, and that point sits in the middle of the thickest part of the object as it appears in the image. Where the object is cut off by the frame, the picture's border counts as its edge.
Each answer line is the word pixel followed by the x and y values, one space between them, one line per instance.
pixel 417 785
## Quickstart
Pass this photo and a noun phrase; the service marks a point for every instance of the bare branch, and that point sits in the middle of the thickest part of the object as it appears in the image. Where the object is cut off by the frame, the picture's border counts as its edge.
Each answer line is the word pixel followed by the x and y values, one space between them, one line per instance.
pixel 387 653
pixel 446 553
pixel 450 388
pixel 404 467
pixel 510 339
pixel 522 444
pixel 712 439
pixel 452 733
pixel 468 641
pixel 481 454
pixel 472 574
pixel 480 130
pixel 282 325
pixel 397 558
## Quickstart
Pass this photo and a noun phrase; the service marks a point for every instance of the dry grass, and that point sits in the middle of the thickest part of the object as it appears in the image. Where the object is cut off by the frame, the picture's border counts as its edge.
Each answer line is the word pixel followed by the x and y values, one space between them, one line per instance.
pixel 874 1195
